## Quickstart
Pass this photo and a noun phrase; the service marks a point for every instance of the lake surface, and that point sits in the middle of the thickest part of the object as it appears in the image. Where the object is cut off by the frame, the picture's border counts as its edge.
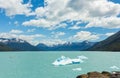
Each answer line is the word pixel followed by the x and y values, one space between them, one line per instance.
pixel 39 64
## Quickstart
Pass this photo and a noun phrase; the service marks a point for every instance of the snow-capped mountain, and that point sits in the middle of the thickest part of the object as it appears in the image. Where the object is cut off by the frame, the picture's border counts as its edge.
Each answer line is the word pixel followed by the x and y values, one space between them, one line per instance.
pixel 22 45
pixel 17 44
pixel 7 40
pixel 69 46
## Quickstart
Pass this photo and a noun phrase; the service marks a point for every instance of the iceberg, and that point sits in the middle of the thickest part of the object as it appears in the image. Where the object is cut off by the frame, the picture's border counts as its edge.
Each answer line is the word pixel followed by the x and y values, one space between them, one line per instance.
pixel 76 61
pixel 114 67
pixel 62 61
pixel 77 69
pixel 66 61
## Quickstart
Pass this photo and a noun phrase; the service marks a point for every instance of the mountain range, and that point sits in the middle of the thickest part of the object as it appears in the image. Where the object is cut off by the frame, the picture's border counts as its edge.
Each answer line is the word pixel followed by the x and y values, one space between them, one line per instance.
pixel 4 47
pixel 14 44
pixel 112 43
pixel 17 44
pixel 70 46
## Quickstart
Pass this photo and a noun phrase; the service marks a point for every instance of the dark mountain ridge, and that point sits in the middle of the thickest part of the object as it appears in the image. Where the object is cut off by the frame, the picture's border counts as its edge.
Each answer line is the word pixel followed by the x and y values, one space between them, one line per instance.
pixel 17 44
pixel 3 47
pixel 112 43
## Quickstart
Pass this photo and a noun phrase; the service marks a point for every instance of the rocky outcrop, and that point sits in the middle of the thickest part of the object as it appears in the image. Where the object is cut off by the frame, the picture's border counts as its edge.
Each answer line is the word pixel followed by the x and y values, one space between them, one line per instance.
pixel 96 74
pixel 82 76
pixel 106 74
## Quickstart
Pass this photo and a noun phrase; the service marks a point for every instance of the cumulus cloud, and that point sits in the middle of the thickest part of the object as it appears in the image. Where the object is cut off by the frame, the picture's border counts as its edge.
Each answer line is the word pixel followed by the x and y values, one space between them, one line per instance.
pixel 52 42
pixel 39 23
pixel 16 31
pixel 109 34
pixel 16 7
pixel 95 8
pixel 40 12
pixel 85 35
pixel 50 16
pixel 110 22
pixel 75 27
pixel 30 38
pixel 58 34
pixel 98 13
pixel 31 30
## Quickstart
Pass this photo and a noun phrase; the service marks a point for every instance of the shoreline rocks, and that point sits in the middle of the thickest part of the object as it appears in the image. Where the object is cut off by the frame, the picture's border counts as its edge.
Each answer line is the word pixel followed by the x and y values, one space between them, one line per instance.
pixel 104 74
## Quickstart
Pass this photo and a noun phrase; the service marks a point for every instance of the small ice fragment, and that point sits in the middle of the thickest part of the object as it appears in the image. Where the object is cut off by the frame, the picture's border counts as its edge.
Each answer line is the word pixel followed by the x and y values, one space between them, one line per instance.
pixel 76 61
pixel 82 57
pixel 114 67
pixel 77 69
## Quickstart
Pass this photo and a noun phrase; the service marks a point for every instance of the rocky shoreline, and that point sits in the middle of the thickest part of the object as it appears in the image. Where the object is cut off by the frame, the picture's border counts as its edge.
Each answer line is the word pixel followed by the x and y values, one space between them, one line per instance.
pixel 104 74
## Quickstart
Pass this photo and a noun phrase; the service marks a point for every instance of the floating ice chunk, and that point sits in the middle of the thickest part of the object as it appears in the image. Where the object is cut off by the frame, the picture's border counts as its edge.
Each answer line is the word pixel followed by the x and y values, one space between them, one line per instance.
pixel 82 57
pixel 77 69
pixel 76 61
pixel 66 61
pixel 114 67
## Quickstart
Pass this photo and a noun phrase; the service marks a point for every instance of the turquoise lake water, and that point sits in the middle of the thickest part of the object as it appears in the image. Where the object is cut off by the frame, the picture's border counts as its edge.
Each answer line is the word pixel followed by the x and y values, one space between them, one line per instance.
pixel 39 64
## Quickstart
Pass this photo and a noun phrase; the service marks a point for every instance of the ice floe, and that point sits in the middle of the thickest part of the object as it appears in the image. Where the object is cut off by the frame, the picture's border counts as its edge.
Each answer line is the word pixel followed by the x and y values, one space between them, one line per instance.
pixel 114 67
pixel 82 57
pixel 67 61
pixel 77 69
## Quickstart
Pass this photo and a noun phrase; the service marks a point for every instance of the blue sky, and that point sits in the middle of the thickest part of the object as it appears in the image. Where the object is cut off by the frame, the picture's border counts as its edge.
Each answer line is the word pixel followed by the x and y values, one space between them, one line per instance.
pixel 59 21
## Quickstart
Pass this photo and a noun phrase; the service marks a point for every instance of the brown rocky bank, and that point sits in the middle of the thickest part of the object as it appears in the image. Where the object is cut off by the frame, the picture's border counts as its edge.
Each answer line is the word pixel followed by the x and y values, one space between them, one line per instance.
pixel 103 74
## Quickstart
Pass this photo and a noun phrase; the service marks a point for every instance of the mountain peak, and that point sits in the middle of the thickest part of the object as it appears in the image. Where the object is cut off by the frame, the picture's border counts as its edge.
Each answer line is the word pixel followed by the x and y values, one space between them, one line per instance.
pixel 112 43
pixel 6 40
pixel 86 41
pixel 18 44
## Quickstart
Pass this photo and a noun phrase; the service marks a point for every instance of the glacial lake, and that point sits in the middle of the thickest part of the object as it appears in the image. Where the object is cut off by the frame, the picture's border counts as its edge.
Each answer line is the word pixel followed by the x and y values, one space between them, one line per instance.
pixel 39 64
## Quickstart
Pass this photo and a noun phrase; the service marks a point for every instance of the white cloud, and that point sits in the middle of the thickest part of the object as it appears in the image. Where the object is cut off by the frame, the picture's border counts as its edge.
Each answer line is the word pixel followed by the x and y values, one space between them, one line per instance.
pixel 40 12
pixel 110 22
pixel 85 35
pixel 39 23
pixel 61 25
pixel 31 30
pixel 95 8
pixel 109 34
pixel 16 31
pixel 14 7
pixel 53 13
pixel 90 11
pixel 52 42
pixel 30 38
pixel 58 34
pixel 16 23
pixel 75 27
